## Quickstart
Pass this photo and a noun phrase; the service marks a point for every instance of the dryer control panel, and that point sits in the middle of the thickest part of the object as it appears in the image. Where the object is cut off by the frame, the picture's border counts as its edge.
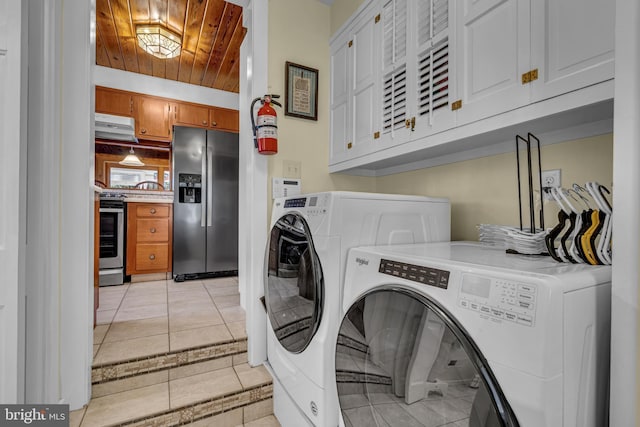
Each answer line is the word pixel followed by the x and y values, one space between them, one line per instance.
pixel 499 299
pixel 415 273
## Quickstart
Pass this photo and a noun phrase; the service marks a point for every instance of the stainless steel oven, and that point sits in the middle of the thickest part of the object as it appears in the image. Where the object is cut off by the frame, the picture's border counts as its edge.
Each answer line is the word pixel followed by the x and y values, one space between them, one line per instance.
pixel 111 241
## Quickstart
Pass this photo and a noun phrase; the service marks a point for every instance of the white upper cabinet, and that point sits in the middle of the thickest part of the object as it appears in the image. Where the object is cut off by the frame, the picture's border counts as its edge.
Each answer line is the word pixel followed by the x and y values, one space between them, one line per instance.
pixel 415 80
pixel 365 71
pixel 572 45
pixel 493 52
pixel 416 70
pixel 394 78
pixel 339 99
pixel 354 92
pixel 433 84
pixel 515 52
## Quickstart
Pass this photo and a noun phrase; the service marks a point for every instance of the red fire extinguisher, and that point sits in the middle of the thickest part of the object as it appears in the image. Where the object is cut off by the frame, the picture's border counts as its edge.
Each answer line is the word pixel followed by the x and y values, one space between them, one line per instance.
pixel 265 131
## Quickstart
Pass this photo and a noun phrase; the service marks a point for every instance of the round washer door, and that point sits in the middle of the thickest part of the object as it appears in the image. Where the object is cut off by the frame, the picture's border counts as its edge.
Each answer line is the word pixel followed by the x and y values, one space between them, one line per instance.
pixel 402 360
pixel 294 285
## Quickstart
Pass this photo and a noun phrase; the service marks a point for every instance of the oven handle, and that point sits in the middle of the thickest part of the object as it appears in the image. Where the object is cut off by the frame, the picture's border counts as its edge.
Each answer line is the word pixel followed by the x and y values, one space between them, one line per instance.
pixel 111 210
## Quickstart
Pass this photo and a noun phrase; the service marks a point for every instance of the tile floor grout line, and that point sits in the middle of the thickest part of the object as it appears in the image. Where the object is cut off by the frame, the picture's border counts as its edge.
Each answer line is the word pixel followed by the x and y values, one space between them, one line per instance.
pixel 110 323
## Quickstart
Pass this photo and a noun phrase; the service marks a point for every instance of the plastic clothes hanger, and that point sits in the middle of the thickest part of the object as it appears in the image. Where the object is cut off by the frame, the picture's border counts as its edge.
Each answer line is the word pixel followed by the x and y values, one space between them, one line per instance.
pixel 587 240
pixel 591 226
pixel 576 219
pixel 603 248
pixel 551 236
pixel 563 216
pixel 587 222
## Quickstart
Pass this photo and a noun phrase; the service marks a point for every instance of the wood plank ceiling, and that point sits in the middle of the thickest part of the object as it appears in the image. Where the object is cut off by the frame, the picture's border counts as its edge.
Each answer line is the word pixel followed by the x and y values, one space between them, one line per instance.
pixel 211 31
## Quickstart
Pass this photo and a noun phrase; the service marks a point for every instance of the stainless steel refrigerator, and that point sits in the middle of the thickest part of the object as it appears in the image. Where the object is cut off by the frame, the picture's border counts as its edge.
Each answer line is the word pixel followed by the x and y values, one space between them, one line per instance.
pixel 205 204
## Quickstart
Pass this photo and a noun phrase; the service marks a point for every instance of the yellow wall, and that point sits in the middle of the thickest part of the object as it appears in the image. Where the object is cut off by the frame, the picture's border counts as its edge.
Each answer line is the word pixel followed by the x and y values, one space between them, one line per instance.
pixel 341 11
pixel 299 33
pixel 485 190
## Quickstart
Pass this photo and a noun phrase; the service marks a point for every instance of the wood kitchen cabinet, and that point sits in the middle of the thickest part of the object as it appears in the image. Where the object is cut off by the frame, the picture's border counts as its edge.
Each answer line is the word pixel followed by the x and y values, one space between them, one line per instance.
pixel 224 119
pixel 111 101
pixel 153 118
pixel 149 238
pixel 186 114
pixel 203 116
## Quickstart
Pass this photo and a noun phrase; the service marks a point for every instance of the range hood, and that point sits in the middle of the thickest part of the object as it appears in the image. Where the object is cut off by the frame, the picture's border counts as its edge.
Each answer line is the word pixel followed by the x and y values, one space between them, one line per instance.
pixel 117 128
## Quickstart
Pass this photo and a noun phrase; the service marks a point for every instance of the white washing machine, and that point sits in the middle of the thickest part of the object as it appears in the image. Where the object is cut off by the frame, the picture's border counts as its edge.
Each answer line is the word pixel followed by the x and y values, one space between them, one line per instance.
pixel 461 334
pixel 305 264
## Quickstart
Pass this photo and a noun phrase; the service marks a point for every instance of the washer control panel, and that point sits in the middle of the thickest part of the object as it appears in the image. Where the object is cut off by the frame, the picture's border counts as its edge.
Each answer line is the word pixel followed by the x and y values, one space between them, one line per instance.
pixel 416 273
pixel 499 299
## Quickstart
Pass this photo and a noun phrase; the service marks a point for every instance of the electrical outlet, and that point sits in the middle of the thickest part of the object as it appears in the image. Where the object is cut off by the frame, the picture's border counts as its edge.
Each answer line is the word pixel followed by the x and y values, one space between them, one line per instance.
pixel 550 178
pixel 291 169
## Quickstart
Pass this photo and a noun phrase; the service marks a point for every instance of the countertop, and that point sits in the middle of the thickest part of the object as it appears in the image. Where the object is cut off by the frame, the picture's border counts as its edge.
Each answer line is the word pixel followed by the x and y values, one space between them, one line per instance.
pixel 142 196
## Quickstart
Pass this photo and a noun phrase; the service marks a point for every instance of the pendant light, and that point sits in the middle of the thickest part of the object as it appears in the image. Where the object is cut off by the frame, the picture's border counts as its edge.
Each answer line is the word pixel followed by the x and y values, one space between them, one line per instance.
pixel 131 159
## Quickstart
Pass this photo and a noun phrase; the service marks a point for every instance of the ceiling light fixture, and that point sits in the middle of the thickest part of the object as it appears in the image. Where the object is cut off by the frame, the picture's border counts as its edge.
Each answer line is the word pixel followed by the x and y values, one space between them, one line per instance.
pixel 158 41
pixel 131 159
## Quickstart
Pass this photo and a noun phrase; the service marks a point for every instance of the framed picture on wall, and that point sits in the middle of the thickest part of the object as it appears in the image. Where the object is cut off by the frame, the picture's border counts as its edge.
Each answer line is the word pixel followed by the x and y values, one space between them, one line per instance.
pixel 301 96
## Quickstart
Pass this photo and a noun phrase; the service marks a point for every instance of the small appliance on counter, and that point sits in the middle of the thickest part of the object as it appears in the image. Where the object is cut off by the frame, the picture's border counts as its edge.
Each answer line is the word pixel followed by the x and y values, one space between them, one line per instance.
pixel 112 237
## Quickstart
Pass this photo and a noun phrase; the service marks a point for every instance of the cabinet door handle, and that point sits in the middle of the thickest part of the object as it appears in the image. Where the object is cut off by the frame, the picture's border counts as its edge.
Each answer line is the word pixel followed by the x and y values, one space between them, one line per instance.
pixel 143 131
pixel 214 123
pixel 152 257
pixel 152 210
pixel 153 230
pixel 204 122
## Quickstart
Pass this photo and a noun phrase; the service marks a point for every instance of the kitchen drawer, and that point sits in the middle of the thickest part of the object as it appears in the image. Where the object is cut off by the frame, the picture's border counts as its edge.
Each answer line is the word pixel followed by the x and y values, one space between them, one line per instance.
pixel 152 230
pixel 150 210
pixel 152 257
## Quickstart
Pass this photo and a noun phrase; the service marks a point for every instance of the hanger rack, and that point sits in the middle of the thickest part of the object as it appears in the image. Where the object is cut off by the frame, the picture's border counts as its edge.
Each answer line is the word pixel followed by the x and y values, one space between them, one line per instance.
pixel 533 236
pixel 530 187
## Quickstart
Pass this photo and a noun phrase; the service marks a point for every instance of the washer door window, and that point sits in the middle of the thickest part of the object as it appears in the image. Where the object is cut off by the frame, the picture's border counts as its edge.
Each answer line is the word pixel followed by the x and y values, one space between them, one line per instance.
pixel 401 360
pixel 295 284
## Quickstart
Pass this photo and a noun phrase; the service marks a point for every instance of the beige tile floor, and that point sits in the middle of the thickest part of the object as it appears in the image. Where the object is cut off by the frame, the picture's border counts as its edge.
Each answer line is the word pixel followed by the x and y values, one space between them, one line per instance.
pixel 142 319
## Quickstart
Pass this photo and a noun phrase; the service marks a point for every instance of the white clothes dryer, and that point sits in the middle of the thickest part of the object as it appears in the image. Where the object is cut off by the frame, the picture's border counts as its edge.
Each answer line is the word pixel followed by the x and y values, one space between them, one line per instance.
pixel 307 249
pixel 461 334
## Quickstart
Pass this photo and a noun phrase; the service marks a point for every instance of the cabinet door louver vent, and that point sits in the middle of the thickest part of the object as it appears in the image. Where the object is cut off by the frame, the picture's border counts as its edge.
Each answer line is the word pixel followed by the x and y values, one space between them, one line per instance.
pixel 433 79
pixel 432 21
pixel 394 100
pixel 394 16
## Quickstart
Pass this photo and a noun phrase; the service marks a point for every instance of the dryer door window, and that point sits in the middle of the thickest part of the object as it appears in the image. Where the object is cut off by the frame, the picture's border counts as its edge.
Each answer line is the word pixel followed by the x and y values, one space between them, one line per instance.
pixel 294 286
pixel 402 360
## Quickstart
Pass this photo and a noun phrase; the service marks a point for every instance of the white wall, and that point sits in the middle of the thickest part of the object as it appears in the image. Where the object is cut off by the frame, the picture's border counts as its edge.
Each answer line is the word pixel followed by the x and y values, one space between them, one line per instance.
pixel 625 363
pixel 58 254
pixel 141 83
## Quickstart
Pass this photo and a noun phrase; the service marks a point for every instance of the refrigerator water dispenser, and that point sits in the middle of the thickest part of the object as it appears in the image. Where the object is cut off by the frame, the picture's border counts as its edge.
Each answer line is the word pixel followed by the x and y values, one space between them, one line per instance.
pixel 189 188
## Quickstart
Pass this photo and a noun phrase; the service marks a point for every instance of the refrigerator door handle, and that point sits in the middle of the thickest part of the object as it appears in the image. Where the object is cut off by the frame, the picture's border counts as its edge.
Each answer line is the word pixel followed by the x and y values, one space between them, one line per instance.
pixel 209 186
pixel 203 207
